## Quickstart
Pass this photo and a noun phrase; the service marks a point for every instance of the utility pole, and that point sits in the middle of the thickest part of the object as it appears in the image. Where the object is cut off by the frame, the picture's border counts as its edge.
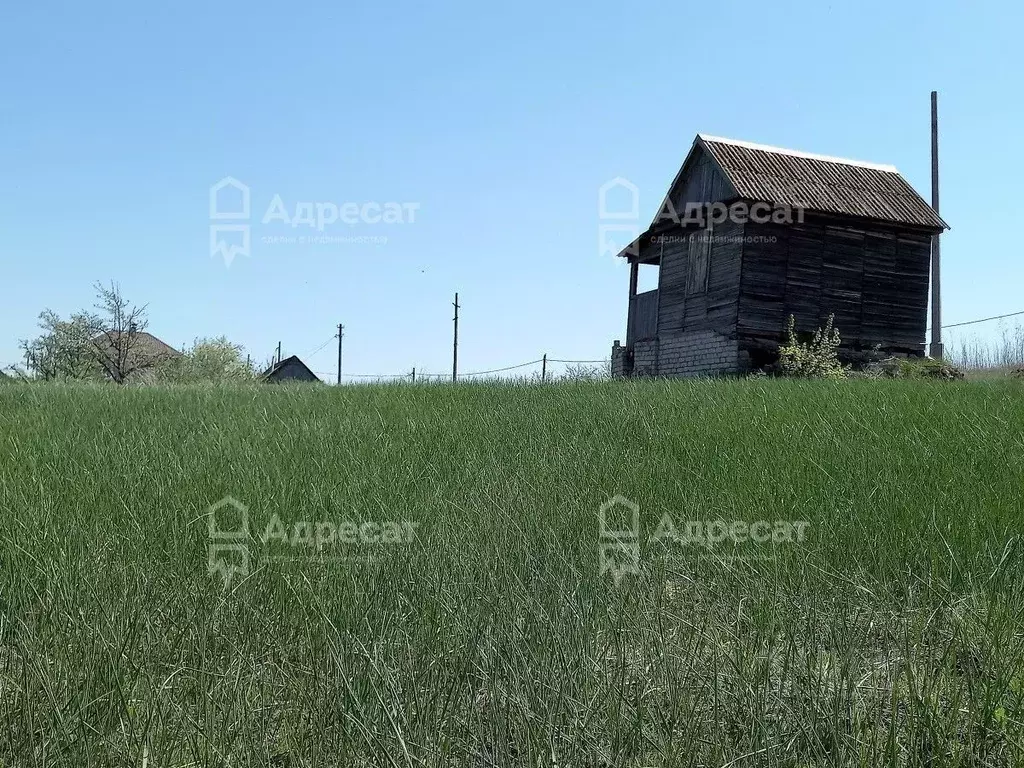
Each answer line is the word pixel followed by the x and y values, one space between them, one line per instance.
pixel 935 347
pixel 455 342
pixel 341 335
pixel 544 367
pixel 279 351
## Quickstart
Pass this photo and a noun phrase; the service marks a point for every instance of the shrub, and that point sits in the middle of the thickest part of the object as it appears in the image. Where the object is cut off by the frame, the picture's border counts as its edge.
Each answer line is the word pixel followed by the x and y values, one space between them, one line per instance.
pixel 915 368
pixel 928 368
pixel 815 359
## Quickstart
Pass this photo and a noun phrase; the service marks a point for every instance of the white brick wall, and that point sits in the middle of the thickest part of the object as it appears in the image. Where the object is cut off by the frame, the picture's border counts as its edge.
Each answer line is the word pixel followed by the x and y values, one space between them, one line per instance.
pixel 645 358
pixel 697 353
pixel 618 360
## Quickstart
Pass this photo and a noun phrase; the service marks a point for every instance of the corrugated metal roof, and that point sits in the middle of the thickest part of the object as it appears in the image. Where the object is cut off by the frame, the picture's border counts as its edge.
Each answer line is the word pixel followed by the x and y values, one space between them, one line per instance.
pixel 820 183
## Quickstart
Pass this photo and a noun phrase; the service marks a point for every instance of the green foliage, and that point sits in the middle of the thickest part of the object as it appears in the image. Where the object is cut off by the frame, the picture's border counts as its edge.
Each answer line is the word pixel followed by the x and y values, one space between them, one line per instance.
pixel 109 344
pixel 814 359
pixel 64 348
pixel 209 360
pixel 90 345
pixel 914 368
pixel 927 368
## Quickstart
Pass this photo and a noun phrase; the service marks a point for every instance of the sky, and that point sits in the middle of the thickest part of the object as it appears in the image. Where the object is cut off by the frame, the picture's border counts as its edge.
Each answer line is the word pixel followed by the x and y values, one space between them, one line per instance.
pixel 491 127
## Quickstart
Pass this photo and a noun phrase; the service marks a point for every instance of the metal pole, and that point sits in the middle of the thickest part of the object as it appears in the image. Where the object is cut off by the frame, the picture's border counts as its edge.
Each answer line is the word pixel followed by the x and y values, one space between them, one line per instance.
pixel 455 342
pixel 935 348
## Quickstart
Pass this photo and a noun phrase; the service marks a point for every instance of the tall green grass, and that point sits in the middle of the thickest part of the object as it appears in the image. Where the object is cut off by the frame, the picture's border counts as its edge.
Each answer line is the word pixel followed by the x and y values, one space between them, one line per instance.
pixel 893 635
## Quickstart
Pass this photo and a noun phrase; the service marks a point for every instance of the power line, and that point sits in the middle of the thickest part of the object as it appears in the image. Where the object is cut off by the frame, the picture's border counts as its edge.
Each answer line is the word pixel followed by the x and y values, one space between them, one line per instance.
pixel 309 354
pixel 369 375
pixel 983 320
pixel 500 370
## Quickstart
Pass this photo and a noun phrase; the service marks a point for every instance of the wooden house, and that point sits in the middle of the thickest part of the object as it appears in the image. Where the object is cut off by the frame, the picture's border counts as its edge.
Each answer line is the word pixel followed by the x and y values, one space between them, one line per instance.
pixel 749 235
pixel 289 369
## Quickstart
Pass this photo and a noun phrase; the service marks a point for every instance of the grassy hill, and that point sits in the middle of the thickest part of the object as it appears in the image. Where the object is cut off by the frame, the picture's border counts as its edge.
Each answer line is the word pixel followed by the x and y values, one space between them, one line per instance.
pixel 421 582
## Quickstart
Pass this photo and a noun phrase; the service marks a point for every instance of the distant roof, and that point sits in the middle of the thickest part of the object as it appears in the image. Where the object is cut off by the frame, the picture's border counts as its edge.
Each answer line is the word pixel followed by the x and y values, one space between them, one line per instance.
pixel 269 373
pixel 145 344
pixel 819 182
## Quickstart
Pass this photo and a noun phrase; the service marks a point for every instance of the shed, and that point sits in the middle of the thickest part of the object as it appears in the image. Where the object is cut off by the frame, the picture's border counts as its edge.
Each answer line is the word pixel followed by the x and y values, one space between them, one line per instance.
pixel 749 234
pixel 289 369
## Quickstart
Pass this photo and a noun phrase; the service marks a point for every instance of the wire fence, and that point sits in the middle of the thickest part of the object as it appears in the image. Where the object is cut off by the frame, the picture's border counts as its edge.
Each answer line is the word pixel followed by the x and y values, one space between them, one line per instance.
pixel 413 375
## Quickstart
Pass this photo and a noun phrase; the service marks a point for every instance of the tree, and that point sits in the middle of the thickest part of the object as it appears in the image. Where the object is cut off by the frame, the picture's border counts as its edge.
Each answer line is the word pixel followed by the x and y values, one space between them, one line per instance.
pixel 109 343
pixel 214 359
pixel 64 349
pixel 118 346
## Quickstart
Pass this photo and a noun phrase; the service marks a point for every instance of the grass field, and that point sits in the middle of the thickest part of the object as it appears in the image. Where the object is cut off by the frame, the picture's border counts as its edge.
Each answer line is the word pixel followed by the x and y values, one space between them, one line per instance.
pixel 891 634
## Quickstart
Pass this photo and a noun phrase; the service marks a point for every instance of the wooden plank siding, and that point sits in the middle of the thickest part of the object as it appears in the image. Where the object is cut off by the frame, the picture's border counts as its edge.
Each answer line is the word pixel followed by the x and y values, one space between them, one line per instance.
pixel 643 317
pixel 672 277
pixel 874 279
pixel 699 280
pixel 700 181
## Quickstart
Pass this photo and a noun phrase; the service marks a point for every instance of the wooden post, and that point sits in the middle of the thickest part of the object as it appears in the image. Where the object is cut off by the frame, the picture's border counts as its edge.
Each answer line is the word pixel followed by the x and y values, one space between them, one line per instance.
pixel 455 342
pixel 341 335
pixel 935 347
pixel 414 375
pixel 544 367
pixel 634 276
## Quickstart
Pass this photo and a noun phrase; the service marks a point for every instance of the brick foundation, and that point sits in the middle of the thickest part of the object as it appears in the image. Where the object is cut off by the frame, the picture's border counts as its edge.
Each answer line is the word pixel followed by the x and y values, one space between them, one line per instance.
pixel 696 353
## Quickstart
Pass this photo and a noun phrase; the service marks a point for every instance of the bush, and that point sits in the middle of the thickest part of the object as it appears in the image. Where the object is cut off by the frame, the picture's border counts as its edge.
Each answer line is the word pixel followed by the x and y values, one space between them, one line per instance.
pixel 916 368
pixel 816 359
pixel 928 368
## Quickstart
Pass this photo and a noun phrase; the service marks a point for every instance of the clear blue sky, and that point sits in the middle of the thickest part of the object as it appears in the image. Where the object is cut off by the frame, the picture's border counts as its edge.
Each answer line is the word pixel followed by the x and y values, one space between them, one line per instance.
pixel 500 120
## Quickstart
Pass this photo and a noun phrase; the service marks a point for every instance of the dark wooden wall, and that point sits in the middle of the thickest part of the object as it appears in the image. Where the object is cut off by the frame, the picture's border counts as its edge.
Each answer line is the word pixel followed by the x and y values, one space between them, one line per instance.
pixel 292 371
pixel 873 278
pixel 699 283
pixel 699 182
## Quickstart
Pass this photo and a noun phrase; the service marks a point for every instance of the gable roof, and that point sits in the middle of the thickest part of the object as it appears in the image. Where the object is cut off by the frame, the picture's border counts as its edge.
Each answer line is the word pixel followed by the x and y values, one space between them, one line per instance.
pixel 818 183
pixel 277 367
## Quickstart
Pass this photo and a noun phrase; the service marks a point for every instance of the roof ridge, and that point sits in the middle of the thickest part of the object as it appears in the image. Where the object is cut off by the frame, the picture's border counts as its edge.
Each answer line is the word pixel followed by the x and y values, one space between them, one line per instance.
pixel 798 153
